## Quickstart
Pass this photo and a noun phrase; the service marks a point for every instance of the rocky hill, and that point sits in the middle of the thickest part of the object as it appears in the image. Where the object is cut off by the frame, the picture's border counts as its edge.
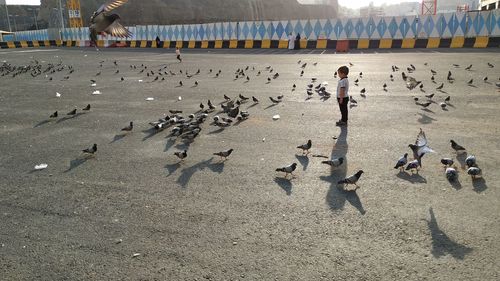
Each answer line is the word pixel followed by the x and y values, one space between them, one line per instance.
pixel 201 11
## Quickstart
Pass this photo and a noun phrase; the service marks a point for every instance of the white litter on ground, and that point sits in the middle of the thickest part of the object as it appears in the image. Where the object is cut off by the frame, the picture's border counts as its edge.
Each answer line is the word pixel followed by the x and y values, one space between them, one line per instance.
pixel 41 166
pixel 150 99
pixel 96 92
pixel 276 117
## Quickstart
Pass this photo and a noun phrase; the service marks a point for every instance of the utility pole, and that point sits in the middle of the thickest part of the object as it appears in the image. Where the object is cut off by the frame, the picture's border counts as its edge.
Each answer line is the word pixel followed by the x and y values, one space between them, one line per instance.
pixel 61 14
pixel 35 18
pixel 8 19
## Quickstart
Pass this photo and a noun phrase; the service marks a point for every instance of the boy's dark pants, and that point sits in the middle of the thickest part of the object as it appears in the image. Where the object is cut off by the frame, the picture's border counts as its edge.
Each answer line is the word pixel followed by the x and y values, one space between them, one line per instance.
pixel 343 109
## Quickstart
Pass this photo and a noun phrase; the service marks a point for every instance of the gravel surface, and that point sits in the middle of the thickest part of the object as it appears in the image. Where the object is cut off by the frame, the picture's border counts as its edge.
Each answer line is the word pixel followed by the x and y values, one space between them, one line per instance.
pixel 133 212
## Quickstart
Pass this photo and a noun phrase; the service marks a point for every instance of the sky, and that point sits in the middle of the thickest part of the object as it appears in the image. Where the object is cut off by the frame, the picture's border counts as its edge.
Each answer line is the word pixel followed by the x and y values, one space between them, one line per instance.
pixel 345 3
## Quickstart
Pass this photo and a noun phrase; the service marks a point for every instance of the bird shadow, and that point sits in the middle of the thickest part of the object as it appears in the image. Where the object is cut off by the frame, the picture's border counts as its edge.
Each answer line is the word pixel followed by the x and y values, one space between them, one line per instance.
pixel 337 197
pixel 324 98
pixel 442 91
pixel 413 177
pixel 442 244
pixel 285 184
pixel 220 130
pixel 75 163
pixel 455 184
pixel 187 173
pixel 425 119
pixel 169 144
pixel 270 106
pixel 479 185
pixel 39 124
pixel 252 105
pixel 149 133
pixel 473 86
pixel 304 161
pixel 171 168
pixel 117 137
pixel 66 118
pixel 461 159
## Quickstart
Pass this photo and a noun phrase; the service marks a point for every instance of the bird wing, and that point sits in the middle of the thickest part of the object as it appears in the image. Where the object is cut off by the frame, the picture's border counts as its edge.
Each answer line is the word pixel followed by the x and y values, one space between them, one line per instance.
pixel 111 5
pixel 118 30
pixel 421 139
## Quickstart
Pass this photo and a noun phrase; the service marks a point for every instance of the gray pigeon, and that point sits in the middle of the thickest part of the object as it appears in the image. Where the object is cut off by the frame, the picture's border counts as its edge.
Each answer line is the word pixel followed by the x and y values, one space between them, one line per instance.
pixel 447 162
pixel 413 165
pixel 181 154
pixel 335 162
pixel 224 154
pixel 104 22
pixel 470 161
pixel 91 150
pixel 458 148
pixel 305 147
pixel 451 174
pixel 402 162
pixel 474 172
pixel 352 179
pixel 288 169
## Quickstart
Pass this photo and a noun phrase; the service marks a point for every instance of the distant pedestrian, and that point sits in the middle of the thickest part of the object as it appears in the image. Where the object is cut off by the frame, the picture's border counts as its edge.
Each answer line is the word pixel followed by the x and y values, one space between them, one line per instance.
pixel 343 94
pixel 297 42
pixel 158 42
pixel 178 53
pixel 291 42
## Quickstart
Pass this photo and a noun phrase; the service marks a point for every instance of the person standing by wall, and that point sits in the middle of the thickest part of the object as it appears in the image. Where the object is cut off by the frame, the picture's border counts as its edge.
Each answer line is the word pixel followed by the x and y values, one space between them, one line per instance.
pixel 178 53
pixel 297 42
pixel 291 42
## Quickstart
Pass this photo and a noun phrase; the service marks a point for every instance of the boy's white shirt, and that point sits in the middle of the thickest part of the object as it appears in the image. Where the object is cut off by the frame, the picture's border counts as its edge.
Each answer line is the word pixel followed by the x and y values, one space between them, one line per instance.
pixel 177 52
pixel 343 83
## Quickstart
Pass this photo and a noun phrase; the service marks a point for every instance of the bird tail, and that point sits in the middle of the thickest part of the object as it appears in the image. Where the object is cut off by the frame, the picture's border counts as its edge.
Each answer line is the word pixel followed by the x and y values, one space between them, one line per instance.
pixel 280 170
pixel 342 181
pixel 325 162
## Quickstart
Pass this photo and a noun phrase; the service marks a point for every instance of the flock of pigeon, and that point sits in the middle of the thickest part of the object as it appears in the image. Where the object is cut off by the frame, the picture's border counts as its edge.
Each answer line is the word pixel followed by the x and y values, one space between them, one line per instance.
pixel 187 128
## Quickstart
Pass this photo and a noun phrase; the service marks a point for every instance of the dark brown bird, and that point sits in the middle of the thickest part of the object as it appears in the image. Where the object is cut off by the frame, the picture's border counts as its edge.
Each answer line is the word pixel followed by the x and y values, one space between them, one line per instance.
pixel 87 108
pixel 102 22
pixel 72 112
pixel 129 127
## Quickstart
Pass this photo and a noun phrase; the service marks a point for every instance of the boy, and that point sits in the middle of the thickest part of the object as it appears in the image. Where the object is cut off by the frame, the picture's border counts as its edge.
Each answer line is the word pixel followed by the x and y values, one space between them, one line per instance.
pixel 178 53
pixel 343 94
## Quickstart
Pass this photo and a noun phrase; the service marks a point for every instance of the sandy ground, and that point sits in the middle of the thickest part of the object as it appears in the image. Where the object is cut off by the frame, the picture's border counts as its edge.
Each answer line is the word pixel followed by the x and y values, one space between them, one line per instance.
pixel 239 219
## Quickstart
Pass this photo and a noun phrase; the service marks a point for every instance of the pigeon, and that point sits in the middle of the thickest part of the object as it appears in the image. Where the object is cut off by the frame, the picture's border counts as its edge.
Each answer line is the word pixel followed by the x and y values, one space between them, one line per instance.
pixel 420 148
pixel 104 22
pixel 243 98
pixel 224 154
pixel 451 174
pixel 440 86
pixel 402 162
pixel 485 79
pixel 287 169
pixel 273 100
pixel 352 100
pixel 54 115
pixel 180 83
pixel 305 147
pixel 384 86
pixel 468 67
pixel 352 179
pixel 72 112
pixel 425 105
pixel 181 154
pixel 280 97
pixel 404 76
pixel 129 127
pixel 458 148
pixel 335 162
pixel 432 78
pixel 363 91
pixel 210 105
pixel 202 106
pixel 391 76
pixel 429 96
pixel 443 105
pixel 474 172
pixel 490 65
pixel 91 150
pixel 122 79
pixel 233 112
pixel 447 161
pixel 302 73
pixel 268 79
pixel 470 161
pixel 255 100
pixel 447 99
pixel 196 83
pixel 356 81
pixel 413 165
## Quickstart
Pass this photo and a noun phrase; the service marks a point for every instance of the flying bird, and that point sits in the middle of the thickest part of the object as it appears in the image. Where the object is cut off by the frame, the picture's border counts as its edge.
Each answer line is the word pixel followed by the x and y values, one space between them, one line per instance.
pixel 288 169
pixel 420 148
pixel 352 179
pixel 102 21
pixel 305 147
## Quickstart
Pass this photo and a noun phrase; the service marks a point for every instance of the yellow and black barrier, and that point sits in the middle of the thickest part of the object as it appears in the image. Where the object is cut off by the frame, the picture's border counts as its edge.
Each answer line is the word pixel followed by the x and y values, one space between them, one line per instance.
pixel 339 45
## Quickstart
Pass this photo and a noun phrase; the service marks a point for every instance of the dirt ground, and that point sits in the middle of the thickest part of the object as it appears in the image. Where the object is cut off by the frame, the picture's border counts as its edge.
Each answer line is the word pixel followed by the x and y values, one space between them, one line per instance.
pixel 133 212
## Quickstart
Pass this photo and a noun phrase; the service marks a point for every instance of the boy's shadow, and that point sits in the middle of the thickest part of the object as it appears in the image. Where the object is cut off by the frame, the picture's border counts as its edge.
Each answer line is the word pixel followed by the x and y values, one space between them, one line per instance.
pixel 337 196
